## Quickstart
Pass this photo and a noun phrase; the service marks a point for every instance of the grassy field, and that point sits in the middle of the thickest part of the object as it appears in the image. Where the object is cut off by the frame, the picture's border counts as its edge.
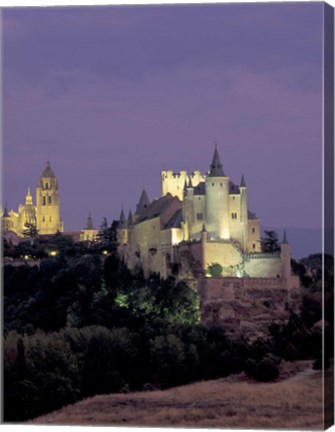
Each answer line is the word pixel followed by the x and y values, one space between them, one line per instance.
pixel 294 401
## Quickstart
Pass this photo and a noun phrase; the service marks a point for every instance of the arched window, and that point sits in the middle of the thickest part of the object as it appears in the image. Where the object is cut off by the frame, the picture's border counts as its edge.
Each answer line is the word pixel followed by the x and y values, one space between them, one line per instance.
pixel 46 185
pixel 44 200
pixel 49 200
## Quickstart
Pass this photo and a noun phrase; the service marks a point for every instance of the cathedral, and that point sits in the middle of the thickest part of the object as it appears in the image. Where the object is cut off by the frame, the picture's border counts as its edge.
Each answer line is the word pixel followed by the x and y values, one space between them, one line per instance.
pixel 199 222
pixel 44 217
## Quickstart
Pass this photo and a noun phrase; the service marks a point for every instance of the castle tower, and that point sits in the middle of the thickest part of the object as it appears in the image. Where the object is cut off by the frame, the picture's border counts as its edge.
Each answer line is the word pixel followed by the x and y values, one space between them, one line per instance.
pixel 244 214
pixel 203 249
pixel 285 255
pixel 47 203
pixel 217 200
pixel 122 229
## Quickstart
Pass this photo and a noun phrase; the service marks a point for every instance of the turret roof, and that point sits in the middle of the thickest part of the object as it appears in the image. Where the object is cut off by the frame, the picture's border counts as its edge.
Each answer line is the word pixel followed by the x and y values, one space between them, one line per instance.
pixel 122 219
pixel 130 218
pixel 243 184
pixel 48 173
pixel 216 169
pixel 233 189
pixel 143 203
pixel 6 213
pixel 285 241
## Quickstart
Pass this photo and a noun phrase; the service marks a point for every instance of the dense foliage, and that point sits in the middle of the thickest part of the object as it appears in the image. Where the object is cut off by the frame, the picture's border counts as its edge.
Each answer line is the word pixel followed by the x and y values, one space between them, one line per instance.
pixel 80 323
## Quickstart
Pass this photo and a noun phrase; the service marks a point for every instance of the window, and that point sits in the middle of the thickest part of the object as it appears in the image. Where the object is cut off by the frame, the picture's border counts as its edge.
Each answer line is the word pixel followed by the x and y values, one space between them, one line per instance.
pixel 221 184
pixel 46 185
pixel 199 216
pixel 234 215
pixel 44 200
pixel 50 219
pixel 43 219
pixel 49 200
pixel 253 246
pixel 253 230
pixel 212 184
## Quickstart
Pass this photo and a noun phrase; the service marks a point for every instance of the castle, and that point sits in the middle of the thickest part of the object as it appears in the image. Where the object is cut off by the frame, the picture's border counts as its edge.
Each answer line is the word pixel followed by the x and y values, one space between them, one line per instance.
pixel 201 222
pixel 44 216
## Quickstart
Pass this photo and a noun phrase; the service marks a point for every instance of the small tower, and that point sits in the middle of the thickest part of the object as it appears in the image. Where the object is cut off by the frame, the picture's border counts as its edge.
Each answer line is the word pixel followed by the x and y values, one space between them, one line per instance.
pixel 47 203
pixel 7 224
pixel 143 203
pixel 244 214
pixel 122 229
pixel 217 200
pixel 203 249
pixel 285 255
pixel 89 233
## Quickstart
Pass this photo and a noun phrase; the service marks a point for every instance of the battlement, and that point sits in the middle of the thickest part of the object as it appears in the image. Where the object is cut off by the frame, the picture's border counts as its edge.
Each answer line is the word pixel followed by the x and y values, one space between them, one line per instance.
pixel 173 182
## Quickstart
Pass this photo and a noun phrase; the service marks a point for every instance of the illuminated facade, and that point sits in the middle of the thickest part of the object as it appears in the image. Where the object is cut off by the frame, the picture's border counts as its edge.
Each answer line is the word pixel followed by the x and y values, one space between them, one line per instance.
pixel 89 233
pixel 200 220
pixel 44 216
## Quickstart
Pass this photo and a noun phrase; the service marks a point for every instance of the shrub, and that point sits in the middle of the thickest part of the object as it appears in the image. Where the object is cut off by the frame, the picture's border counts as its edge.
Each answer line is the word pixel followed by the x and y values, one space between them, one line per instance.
pixel 266 371
pixel 250 366
pixel 215 269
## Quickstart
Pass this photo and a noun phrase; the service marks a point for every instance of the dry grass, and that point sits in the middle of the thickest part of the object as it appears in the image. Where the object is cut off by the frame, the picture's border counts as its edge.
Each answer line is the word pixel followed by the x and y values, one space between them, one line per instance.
pixel 295 403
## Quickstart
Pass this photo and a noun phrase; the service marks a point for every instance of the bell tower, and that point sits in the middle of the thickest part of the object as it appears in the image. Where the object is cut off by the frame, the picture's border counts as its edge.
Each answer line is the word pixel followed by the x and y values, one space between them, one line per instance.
pixel 47 203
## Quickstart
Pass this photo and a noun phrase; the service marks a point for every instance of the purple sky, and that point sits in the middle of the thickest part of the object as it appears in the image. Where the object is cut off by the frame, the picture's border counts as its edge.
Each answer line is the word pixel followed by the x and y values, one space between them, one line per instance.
pixel 114 95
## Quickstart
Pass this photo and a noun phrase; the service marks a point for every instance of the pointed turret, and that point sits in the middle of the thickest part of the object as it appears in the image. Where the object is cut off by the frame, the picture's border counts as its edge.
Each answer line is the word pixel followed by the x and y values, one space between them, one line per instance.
pixel 89 223
pixel 130 218
pixel 143 203
pixel 243 184
pixel 203 228
pixel 122 219
pixel 6 213
pixel 285 241
pixel 216 169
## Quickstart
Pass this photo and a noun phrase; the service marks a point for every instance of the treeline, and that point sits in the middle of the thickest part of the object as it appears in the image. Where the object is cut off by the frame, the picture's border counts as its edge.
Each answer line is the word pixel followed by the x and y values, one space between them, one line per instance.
pixel 81 324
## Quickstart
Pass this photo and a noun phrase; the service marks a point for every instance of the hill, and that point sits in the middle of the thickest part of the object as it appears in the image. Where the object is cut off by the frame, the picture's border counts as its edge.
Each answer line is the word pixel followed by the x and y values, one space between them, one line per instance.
pixel 293 402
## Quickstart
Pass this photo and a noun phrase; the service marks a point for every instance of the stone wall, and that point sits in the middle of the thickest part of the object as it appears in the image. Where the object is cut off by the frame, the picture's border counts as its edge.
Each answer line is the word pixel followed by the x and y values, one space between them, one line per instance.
pixel 246 306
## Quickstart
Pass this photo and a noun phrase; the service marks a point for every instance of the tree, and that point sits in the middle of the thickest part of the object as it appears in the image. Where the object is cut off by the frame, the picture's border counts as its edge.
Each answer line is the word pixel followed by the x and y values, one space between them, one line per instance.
pixel 107 234
pixel 30 230
pixel 269 242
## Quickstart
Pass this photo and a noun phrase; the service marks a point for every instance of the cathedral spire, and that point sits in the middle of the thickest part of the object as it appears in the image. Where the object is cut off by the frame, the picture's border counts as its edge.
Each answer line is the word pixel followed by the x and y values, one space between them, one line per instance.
pixel 143 203
pixel 89 223
pixel 29 198
pixel 216 169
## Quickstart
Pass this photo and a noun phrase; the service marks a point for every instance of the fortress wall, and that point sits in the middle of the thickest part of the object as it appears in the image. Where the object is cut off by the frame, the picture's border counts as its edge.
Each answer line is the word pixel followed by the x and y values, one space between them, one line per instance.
pixel 266 267
pixel 223 253
pixel 245 306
